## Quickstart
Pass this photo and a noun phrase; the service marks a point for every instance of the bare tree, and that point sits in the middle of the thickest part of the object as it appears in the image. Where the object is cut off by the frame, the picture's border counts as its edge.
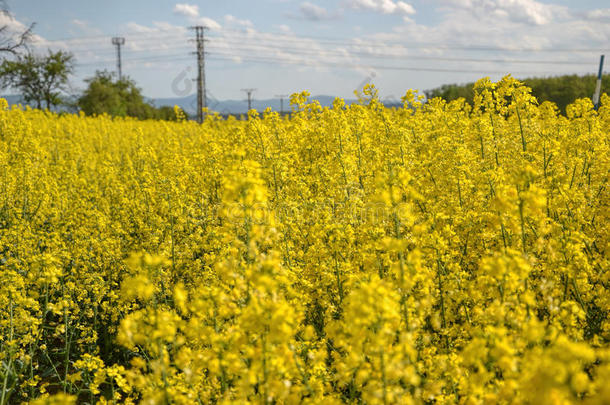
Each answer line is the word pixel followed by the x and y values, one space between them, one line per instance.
pixel 11 42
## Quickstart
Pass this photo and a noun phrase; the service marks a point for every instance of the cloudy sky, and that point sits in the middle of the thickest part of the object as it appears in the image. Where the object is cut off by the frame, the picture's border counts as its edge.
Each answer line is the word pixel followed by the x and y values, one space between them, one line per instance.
pixel 327 47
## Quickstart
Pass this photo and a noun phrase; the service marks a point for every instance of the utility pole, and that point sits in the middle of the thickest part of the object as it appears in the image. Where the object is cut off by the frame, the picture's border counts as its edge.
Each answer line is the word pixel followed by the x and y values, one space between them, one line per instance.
pixel 118 42
pixel 201 96
pixel 598 85
pixel 249 93
pixel 281 97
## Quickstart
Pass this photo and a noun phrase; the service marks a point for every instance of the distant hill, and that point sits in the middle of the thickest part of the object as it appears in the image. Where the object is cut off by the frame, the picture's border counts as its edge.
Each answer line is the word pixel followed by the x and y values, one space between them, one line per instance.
pixel 189 104
pixel 562 90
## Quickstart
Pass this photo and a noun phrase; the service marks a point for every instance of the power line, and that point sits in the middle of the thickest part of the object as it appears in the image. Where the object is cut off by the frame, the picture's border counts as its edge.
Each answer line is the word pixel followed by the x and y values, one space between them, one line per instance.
pixel 408 56
pixel 221 51
pixel 353 47
pixel 309 63
pixel 306 40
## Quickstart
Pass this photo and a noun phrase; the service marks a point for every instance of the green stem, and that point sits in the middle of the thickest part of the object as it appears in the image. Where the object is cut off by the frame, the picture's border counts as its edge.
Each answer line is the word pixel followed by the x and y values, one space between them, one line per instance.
pixel 3 398
pixel 384 379
pixel 522 224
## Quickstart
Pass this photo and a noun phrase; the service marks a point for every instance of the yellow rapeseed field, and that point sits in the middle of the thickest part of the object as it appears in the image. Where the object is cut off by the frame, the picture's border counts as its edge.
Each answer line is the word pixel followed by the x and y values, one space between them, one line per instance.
pixel 436 253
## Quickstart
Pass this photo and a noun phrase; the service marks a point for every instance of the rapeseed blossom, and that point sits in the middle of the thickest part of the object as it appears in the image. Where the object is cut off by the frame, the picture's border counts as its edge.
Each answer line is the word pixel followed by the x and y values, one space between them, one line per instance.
pixel 434 253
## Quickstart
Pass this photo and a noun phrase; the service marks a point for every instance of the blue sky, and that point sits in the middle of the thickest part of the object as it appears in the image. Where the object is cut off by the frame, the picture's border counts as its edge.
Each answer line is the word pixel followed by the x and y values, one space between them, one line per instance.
pixel 326 47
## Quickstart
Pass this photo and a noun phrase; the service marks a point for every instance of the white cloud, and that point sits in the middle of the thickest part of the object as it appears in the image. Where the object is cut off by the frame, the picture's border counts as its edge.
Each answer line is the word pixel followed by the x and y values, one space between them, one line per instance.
pixel 521 11
pixel 285 29
pixel 207 22
pixel 191 12
pixel 165 26
pixel 86 27
pixel 234 21
pixel 137 28
pixel 79 23
pixel 382 6
pixel 602 14
pixel 314 12
pixel 498 27
pixel 187 10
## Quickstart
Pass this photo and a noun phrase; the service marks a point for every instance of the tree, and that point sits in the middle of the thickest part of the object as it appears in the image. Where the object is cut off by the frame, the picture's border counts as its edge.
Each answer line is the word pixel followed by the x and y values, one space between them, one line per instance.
pixel 39 78
pixel 119 98
pixel 12 42
pixel 561 90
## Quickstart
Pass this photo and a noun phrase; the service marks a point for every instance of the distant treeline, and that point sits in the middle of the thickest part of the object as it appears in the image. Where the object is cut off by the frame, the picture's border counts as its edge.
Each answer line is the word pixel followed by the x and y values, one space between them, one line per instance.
pixel 561 90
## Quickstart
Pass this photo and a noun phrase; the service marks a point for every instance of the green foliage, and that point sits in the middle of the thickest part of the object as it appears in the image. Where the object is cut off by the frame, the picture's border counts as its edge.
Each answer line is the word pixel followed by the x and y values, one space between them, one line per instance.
pixel 451 92
pixel 561 90
pixel 119 98
pixel 40 79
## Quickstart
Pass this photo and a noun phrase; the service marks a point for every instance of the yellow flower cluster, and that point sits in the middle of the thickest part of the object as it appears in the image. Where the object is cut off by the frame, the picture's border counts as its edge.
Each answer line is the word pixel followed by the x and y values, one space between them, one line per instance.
pixel 430 254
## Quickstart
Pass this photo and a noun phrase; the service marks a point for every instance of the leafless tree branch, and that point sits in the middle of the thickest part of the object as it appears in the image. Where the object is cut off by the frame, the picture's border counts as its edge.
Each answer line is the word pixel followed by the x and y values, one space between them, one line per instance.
pixel 10 43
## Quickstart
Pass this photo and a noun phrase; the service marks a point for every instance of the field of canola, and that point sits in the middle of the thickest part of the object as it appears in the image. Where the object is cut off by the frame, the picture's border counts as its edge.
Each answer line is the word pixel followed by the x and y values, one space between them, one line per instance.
pixel 437 253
